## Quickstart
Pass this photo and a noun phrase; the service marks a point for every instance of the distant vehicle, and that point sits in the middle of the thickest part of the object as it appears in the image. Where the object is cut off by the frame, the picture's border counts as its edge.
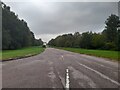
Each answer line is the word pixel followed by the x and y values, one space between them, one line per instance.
pixel 44 46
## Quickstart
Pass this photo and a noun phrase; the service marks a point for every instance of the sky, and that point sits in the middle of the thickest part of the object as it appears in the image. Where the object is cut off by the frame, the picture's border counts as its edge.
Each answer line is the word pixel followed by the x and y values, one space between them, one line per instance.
pixel 50 19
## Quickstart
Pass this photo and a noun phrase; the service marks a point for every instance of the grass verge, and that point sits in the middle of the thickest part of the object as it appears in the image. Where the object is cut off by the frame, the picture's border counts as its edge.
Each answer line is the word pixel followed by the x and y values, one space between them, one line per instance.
pixel 99 53
pixel 20 53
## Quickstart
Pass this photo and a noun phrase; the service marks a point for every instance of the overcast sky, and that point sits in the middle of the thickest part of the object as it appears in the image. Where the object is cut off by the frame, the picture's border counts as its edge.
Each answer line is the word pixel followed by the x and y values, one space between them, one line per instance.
pixel 50 19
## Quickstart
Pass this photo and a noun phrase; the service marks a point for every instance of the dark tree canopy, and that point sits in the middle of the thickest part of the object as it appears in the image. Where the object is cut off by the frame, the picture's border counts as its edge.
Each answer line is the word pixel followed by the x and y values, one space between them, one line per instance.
pixel 111 31
pixel 15 32
pixel 112 24
pixel 108 39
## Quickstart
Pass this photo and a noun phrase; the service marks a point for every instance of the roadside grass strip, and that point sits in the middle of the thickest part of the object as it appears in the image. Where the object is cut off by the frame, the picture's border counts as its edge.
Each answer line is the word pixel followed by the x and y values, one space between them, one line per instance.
pixel 99 53
pixel 20 53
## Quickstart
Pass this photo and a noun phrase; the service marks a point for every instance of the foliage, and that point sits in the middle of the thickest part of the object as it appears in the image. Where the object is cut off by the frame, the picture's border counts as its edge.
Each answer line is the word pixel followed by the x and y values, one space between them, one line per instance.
pixel 86 40
pixel 108 39
pixel 15 32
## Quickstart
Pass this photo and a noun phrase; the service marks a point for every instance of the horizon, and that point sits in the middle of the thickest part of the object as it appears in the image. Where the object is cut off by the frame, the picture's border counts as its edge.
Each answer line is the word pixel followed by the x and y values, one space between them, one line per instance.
pixel 49 14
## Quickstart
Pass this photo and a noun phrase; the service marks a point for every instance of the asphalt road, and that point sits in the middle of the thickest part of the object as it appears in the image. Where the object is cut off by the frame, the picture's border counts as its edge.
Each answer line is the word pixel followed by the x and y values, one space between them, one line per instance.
pixel 60 69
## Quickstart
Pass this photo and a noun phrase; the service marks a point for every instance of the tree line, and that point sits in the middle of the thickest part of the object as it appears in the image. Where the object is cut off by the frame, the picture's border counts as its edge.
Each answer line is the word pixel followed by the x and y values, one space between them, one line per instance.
pixel 108 39
pixel 15 32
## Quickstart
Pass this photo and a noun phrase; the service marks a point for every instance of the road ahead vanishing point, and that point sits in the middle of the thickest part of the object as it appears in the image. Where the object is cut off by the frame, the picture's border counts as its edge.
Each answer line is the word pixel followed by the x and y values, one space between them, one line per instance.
pixel 56 68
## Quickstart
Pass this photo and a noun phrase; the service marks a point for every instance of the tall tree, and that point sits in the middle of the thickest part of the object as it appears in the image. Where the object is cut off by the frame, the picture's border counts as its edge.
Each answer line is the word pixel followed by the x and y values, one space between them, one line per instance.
pixel 15 32
pixel 77 39
pixel 108 39
pixel 86 40
pixel 112 24
pixel 98 41
pixel 111 31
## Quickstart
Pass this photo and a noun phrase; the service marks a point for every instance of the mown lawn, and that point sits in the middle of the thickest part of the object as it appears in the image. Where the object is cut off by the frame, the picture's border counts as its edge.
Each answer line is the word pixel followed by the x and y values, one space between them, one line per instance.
pixel 24 52
pixel 99 53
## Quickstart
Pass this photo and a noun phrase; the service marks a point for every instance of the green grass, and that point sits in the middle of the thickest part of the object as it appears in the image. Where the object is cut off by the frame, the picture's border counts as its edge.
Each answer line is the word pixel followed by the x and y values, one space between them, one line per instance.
pixel 24 52
pixel 99 53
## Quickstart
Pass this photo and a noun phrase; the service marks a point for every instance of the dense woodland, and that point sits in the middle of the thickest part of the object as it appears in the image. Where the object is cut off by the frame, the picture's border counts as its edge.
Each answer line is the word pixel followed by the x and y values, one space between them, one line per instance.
pixel 108 39
pixel 15 32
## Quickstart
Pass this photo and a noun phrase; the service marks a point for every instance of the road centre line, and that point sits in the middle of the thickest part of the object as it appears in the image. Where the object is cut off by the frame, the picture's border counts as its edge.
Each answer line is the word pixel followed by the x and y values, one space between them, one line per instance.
pixel 62 57
pixel 67 85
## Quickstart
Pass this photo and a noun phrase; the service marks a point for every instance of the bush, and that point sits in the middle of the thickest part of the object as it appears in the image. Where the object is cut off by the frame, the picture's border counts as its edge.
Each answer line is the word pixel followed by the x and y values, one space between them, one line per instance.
pixel 110 46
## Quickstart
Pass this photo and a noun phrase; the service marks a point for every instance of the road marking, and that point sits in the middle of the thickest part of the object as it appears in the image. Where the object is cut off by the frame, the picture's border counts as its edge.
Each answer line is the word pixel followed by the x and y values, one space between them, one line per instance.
pixel 77 75
pixel 102 75
pixel 67 80
pixel 62 57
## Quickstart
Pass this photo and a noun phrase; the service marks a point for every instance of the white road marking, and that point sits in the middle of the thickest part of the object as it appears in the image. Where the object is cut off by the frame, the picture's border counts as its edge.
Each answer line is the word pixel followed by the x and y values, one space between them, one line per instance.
pixel 62 57
pixel 83 79
pixel 67 80
pixel 102 75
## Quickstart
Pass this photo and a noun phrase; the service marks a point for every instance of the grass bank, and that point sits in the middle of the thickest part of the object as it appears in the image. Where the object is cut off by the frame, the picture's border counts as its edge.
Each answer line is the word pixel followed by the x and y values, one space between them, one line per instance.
pixel 20 53
pixel 99 53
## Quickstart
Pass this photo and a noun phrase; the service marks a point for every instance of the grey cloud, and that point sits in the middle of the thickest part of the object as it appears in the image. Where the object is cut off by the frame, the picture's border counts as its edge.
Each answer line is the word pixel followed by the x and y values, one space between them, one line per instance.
pixel 65 17
pixel 72 16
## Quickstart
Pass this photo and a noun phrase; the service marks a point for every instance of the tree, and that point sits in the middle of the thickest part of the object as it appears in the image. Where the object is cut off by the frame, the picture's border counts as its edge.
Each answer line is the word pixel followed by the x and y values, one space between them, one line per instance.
pixel 6 39
pixel 98 41
pixel 111 31
pixel 86 40
pixel 16 33
pixel 51 42
pixel 77 38
pixel 118 40
pixel 108 39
